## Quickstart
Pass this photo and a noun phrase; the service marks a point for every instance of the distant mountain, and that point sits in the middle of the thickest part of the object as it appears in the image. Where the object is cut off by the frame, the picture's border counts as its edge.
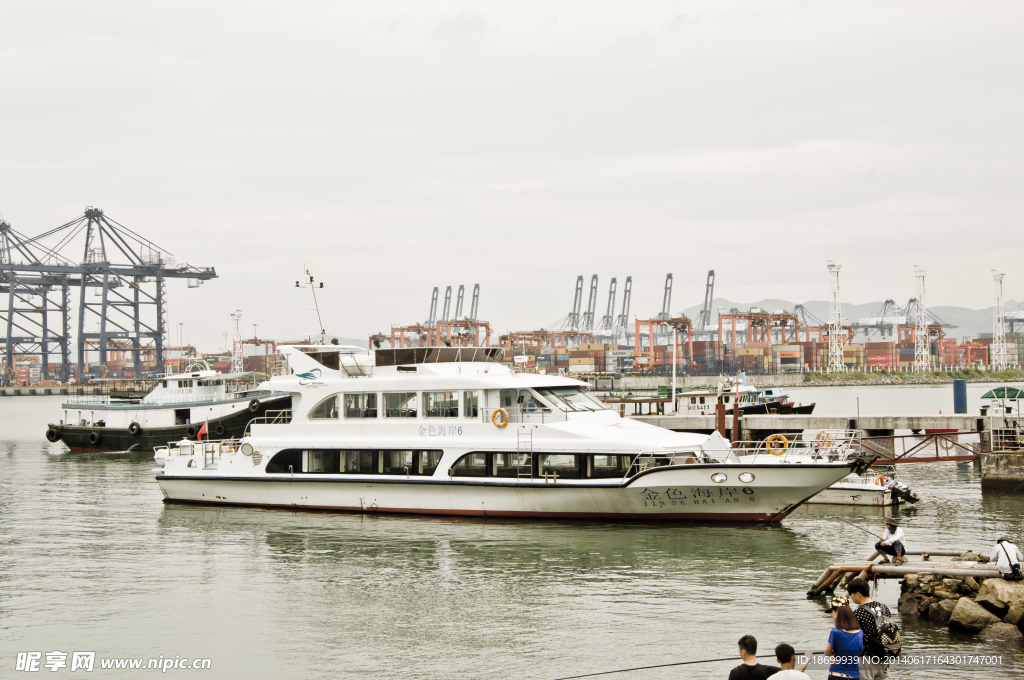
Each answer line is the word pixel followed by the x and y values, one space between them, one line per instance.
pixel 968 322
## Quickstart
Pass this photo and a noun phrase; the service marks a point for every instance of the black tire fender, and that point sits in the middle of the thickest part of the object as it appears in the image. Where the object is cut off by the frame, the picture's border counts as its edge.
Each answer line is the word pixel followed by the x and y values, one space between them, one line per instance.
pixel 94 437
pixel 134 429
pixel 254 406
pixel 53 435
pixel 191 431
pixel 219 429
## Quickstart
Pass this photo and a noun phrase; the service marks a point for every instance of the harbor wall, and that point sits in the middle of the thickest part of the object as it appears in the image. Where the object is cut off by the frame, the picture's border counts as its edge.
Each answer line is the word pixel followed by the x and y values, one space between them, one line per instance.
pixel 1002 470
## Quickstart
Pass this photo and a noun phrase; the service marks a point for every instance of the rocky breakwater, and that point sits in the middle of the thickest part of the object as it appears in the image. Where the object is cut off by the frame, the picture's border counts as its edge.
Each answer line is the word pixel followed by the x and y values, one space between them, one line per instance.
pixel 993 609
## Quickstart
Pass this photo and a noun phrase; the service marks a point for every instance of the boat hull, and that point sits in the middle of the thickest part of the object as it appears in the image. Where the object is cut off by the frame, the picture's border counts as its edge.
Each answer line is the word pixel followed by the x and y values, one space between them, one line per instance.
pixel 675 494
pixel 837 495
pixel 79 438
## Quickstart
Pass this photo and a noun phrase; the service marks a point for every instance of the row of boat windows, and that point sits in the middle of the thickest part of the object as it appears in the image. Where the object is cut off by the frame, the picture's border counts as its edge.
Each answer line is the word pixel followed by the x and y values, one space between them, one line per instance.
pixel 565 466
pixel 711 400
pixel 446 404
pixel 191 383
pixel 398 405
pixel 356 461
pixel 425 462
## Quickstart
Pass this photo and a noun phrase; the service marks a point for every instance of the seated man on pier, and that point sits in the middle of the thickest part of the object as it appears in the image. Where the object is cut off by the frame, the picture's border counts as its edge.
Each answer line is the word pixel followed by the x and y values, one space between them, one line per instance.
pixel 1007 558
pixel 892 543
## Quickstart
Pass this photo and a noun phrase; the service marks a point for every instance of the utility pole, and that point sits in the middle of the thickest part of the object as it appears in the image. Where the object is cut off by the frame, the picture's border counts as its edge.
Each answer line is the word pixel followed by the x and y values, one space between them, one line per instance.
pixel 236 354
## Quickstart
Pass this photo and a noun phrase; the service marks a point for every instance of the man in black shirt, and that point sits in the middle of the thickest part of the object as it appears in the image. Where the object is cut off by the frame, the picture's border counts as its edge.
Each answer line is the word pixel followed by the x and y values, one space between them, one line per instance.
pixel 872 664
pixel 750 669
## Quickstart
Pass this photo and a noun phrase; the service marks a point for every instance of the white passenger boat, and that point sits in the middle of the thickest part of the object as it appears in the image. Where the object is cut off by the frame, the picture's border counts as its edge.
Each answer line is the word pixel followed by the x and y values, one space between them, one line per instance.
pixel 447 431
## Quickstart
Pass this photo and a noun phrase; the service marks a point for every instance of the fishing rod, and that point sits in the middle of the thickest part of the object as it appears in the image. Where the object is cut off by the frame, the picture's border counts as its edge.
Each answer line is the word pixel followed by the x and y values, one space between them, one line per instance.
pixel 661 665
pixel 857 527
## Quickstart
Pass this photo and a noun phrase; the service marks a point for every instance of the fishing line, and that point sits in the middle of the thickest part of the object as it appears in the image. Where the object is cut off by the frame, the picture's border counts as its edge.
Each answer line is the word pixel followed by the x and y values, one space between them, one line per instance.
pixel 661 665
pixel 856 526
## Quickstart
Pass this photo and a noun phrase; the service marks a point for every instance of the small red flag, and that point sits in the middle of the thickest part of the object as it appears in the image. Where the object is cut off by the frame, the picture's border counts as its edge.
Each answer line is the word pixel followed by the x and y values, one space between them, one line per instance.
pixel 202 431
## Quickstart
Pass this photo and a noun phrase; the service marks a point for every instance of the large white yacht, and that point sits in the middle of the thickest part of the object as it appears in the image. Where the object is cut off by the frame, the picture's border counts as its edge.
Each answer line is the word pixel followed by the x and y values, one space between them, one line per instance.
pixel 447 431
pixel 178 406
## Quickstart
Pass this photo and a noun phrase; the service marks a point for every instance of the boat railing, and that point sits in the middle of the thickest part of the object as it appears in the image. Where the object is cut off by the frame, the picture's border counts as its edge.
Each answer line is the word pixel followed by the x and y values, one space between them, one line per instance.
pixel 210 450
pixel 96 400
pixel 520 415
pixel 281 417
pixel 828 445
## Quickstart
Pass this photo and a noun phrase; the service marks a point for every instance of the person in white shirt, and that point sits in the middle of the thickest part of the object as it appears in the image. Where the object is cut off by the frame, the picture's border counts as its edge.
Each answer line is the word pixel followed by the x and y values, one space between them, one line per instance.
pixel 786 656
pixel 1005 555
pixel 893 543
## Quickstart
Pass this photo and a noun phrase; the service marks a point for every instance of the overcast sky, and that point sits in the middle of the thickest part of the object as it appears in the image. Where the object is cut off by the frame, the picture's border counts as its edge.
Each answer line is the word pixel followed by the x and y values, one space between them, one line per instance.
pixel 394 146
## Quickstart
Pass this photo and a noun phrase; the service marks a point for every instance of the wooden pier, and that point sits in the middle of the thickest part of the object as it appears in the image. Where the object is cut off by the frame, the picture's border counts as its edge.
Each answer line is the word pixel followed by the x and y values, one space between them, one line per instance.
pixel 835 573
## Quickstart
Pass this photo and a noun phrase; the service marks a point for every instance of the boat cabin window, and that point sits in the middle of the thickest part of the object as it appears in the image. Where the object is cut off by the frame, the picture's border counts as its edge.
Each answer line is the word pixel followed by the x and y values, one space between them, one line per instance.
pixel 282 459
pixel 441 404
pixel 566 466
pixel 519 465
pixel 511 465
pixel 471 465
pixel 693 400
pixel 604 467
pixel 571 399
pixel 530 402
pixel 326 409
pixel 470 404
pixel 356 462
pixel 163 383
pixel 400 404
pixel 702 400
pixel 361 405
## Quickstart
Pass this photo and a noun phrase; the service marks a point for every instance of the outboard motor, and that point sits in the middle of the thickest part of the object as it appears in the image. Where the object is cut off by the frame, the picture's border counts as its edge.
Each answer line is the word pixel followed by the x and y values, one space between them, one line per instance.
pixel 903 491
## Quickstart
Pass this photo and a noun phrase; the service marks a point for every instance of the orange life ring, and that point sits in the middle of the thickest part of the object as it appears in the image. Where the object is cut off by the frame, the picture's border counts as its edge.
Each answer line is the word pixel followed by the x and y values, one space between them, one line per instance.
pixel 504 421
pixel 777 444
pixel 823 438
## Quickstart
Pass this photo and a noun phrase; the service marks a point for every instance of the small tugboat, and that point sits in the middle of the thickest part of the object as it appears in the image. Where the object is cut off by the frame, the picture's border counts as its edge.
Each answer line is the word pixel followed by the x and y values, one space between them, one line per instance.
pixel 448 431
pixel 177 407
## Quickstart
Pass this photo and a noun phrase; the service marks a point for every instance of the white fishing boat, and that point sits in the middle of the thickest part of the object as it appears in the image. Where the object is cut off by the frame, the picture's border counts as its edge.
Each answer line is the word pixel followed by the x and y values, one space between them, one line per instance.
pixel 179 405
pixel 871 489
pixel 447 431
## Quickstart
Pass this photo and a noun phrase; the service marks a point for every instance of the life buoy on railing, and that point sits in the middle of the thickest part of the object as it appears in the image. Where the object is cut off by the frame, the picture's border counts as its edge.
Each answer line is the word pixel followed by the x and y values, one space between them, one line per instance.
pixel 134 429
pixel 880 480
pixel 504 418
pixel 823 438
pixel 777 444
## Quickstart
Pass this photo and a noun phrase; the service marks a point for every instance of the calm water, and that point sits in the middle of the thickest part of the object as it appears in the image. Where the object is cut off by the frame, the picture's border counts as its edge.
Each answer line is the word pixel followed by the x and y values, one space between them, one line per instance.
pixel 91 560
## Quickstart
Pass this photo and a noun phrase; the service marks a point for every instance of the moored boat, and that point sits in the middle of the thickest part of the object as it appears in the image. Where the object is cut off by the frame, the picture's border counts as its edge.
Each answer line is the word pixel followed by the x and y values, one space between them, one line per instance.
pixel 447 431
pixel 177 407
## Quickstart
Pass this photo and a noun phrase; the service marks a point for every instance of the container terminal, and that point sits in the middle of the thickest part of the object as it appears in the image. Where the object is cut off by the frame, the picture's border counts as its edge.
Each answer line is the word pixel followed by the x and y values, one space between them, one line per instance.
pixel 114 281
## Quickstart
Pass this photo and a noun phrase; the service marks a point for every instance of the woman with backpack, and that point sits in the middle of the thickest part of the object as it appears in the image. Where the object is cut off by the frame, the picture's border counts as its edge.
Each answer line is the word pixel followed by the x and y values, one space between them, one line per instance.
pixel 845 642
pixel 881 635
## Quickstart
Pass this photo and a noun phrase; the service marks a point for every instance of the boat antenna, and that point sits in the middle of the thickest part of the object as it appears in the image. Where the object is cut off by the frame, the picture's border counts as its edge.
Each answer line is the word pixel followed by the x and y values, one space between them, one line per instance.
pixel 311 285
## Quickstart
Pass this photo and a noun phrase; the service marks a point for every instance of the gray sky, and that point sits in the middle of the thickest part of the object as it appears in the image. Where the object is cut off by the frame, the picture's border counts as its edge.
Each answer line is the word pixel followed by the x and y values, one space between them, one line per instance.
pixel 395 146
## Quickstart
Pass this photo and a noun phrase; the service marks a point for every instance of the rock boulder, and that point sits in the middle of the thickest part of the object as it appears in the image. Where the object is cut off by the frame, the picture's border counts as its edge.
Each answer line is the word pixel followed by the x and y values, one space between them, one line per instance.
pixel 1007 591
pixel 970 616
pixel 1015 614
pixel 1001 631
pixel 941 611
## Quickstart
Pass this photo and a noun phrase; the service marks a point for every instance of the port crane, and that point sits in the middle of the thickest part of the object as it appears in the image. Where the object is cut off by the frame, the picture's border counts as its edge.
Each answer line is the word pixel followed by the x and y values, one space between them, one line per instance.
pixel 121 280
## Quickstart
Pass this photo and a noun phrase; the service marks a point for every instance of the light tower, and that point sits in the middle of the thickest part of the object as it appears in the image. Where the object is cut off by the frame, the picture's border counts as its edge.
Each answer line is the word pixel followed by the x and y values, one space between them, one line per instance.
pixel 835 323
pixel 999 359
pixel 236 334
pixel 921 353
